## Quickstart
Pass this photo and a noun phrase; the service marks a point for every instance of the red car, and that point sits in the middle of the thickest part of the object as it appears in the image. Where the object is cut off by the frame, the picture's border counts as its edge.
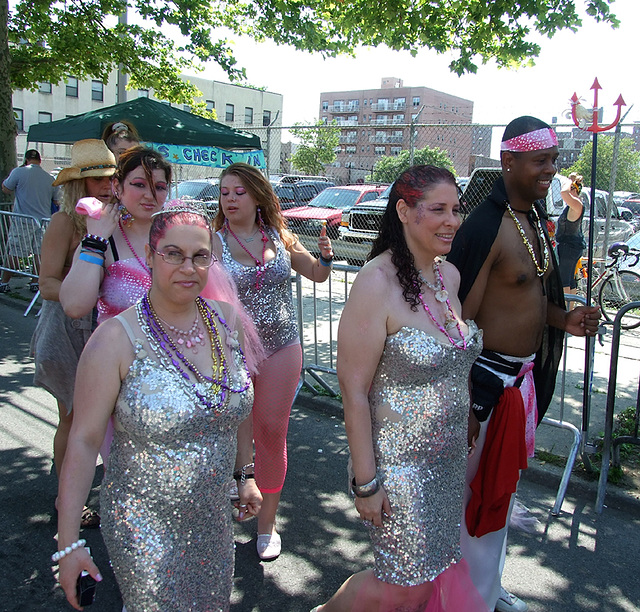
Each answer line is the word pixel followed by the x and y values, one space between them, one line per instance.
pixel 328 206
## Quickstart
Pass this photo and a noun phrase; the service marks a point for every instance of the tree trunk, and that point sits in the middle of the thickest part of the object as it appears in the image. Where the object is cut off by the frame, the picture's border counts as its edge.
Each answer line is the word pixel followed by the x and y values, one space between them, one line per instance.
pixel 8 129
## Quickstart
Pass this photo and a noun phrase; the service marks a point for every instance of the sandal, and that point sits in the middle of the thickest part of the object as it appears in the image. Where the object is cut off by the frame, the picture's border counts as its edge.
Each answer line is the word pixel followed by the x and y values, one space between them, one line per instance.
pixel 90 519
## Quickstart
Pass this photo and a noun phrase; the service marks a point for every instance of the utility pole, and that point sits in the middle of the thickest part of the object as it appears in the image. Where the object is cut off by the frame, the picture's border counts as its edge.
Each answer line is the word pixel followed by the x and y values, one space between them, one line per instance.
pixel 412 135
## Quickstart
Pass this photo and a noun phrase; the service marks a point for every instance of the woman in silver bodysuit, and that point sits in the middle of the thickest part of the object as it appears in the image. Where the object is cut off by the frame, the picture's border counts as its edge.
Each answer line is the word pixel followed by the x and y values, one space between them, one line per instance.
pixel 172 372
pixel 403 368
pixel 259 252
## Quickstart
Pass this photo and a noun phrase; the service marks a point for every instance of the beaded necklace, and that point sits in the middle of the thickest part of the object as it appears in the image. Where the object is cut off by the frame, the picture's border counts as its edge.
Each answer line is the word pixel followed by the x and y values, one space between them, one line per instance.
pixel 132 249
pixel 540 271
pixel 259 264
pixel 191 338
pixel 440 292
pixel 450 320
pixel 167 351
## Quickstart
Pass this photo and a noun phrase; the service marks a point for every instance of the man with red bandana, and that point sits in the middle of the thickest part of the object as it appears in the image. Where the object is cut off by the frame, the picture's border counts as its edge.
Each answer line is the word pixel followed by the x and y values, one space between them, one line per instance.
pixel 511 287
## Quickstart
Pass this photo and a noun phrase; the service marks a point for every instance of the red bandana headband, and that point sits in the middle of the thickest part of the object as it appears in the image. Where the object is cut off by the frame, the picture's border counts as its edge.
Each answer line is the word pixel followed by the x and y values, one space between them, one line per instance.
pixel 544 138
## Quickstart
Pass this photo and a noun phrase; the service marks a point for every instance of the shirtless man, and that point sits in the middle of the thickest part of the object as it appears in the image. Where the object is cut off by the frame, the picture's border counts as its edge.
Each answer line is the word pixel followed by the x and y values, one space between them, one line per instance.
pixel 511 287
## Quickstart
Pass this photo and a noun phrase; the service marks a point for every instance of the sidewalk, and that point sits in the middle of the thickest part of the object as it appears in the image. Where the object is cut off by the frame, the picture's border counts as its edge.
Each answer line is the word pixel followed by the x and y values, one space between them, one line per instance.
pixel 578 561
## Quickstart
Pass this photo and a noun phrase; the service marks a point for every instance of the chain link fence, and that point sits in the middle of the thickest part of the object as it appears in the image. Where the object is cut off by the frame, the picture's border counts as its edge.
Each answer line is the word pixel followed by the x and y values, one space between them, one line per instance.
pixel 371 153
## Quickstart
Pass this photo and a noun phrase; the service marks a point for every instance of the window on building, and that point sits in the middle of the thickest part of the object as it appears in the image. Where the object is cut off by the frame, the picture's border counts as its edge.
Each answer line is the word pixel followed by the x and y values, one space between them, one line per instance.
pixel 383 103
pixel 44 87
pixel 338 104
pixel 416 101
pixel 97 91
pixel 72 87
pixel 248 115
pixel 143 93
pixel 399 102
pixel 380 150
pixel 210 105
pixel 396 150
pixel 44 117
pixel 325 105
pixel 353 118
pixel 398 118
pixel 230 113
pixel 351 149
pixel 354 103
pixel 266 118
pixel 365 101
pixel 18 113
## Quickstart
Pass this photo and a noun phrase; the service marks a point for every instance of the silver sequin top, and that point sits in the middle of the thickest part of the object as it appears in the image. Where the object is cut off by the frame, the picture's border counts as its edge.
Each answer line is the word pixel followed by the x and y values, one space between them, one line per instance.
pixel 419 403
pixel 271 306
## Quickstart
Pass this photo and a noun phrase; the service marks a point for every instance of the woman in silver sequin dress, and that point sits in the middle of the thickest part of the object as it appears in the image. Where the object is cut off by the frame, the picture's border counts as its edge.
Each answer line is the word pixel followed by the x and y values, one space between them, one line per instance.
pixel 254 245
pixel 178 399
pixel 403 369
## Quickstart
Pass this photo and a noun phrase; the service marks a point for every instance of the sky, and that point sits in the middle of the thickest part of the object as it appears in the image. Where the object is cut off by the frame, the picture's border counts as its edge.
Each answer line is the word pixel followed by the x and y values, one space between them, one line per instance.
pixel 568 62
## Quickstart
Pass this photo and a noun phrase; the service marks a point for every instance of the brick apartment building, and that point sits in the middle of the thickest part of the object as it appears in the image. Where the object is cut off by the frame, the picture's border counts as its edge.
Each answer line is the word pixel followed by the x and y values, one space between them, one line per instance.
pixel 382 122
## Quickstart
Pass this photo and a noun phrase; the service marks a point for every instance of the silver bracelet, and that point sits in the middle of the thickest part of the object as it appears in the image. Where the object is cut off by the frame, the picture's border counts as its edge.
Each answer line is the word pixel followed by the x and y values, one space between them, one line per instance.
pixel 241 474
pixel 61 554
pixel 366 490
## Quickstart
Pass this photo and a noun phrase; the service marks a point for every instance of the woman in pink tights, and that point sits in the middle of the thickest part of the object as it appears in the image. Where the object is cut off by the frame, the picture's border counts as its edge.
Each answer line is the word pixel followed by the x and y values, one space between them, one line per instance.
pixel 259 252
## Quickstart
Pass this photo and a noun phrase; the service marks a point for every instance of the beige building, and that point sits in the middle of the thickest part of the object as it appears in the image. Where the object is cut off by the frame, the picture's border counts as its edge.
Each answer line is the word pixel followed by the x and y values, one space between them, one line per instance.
pixel 243 108
pixel 385 121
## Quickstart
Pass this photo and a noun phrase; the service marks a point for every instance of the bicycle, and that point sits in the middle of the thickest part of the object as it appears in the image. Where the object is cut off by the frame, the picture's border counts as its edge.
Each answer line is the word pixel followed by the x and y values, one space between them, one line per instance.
pixel 616 287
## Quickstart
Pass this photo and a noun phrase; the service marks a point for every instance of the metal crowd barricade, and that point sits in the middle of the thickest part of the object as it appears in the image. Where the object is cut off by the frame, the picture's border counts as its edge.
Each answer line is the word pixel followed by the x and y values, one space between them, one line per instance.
pixel 608 442
pixel 21 238
pixel 319 308
pixel 578 436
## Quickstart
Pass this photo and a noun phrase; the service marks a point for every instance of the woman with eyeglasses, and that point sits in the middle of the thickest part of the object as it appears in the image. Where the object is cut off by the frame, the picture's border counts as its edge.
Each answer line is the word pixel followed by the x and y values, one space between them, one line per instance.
pixel 172 373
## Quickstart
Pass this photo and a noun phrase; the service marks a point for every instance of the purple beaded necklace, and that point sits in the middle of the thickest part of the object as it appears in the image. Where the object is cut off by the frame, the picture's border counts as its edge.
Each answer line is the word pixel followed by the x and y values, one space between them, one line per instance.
pixel 259 264
pixel 450 319
pixel 156 334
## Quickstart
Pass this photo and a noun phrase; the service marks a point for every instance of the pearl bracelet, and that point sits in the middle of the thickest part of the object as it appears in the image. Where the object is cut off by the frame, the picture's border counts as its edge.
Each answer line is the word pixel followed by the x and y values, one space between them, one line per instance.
pixel 61 554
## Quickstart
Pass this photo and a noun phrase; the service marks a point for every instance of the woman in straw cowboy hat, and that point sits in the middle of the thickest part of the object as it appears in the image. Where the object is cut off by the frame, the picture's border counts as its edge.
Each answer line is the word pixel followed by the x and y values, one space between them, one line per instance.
pixel 58 340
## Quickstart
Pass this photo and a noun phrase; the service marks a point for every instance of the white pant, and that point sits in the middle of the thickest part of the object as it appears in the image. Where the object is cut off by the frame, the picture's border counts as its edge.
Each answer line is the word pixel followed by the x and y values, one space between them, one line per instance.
pixel 485 555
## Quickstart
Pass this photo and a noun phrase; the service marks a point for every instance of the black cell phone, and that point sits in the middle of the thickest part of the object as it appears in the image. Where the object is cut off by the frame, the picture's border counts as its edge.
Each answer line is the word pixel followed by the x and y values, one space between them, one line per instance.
pixel 86 587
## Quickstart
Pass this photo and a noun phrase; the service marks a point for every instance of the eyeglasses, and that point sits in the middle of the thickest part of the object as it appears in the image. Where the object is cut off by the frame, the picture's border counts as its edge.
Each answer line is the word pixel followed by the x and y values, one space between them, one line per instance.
pixel 176 258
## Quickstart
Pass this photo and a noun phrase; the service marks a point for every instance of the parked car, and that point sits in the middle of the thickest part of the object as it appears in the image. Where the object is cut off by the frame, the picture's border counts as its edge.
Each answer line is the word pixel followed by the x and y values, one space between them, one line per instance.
pixel 206 191
pixel 327 207
pixel 294 178
pixel 300 193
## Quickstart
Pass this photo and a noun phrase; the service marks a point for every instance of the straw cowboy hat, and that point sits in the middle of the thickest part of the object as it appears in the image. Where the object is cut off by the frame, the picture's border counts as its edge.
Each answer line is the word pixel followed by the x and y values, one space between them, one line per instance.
pixel 89 157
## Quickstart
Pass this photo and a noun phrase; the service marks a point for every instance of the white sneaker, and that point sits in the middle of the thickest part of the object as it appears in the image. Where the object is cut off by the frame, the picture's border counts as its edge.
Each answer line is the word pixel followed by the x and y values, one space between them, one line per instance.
pixel 508 602
pixel 269 545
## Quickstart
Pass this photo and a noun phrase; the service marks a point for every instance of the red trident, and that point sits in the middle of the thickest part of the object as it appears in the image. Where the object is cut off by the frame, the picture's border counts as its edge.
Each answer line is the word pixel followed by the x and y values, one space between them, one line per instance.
pixel 594 127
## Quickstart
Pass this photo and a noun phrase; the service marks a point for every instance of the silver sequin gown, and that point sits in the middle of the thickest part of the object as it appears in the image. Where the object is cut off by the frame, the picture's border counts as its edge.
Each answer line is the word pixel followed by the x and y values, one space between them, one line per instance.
pixel 166 517
pixel 419 407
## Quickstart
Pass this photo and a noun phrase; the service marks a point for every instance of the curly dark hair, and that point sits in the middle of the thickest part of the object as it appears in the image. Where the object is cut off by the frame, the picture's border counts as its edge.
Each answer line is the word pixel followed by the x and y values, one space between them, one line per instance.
pixel 411 187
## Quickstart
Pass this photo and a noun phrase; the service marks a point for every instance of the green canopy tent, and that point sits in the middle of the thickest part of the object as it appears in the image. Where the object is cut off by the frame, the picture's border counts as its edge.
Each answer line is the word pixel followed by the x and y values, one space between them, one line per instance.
pixel 183 137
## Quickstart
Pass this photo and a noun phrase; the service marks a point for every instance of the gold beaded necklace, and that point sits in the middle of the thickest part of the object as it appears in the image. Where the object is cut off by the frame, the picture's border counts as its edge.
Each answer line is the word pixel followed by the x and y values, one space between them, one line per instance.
pixel 540 271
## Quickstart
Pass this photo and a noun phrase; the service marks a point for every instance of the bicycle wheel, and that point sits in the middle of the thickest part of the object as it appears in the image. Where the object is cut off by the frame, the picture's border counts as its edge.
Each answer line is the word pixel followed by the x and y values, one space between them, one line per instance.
pixel 617 291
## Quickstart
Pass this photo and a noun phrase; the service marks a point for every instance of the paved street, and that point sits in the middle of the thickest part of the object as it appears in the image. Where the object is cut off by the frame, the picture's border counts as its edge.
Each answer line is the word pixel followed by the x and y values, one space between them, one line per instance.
pixel 579 561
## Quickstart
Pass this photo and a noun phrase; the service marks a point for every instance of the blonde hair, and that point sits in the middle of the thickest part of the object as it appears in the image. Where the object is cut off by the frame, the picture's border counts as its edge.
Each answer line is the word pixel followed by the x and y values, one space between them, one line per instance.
pixel 259 188
pixel 72 191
